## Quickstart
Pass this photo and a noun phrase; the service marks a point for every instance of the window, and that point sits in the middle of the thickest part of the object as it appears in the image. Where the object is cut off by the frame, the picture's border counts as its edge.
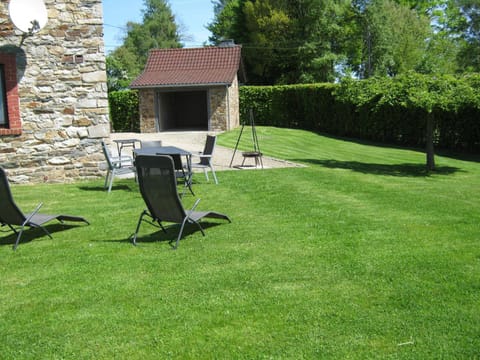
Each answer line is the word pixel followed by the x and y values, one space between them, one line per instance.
pixel 10 122
pixel 3 99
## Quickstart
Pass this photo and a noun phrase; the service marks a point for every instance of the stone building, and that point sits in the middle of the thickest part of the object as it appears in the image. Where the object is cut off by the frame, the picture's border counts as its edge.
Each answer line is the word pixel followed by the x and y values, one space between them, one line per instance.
pixel 54 94
pixel 190 89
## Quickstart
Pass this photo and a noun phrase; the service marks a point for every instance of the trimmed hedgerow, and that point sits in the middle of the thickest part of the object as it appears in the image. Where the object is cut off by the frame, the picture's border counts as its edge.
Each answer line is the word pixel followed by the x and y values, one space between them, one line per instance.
pixel 124 113
pixel 390 110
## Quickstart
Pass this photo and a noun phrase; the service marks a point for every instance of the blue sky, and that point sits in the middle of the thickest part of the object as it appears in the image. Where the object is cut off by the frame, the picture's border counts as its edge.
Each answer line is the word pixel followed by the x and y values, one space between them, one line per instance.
pixel 191 15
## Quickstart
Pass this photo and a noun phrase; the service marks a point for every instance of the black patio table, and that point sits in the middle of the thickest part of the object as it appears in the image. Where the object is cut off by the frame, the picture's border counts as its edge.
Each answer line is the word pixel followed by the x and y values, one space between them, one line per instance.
pixel 169 150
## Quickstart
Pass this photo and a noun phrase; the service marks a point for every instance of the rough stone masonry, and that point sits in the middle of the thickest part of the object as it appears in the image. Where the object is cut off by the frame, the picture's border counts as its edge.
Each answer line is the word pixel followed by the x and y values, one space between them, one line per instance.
pixel 61 91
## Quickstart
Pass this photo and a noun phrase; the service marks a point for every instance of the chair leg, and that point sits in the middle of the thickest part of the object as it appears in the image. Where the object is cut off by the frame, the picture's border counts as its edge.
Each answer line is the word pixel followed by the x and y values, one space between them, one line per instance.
pixel 145 212
pixel 214 175
pixel 46 232
pixel 180 233
pixel 205 171
pixel 107 178
pixel 183 226
pixel 189 184
pixel 18 238
pixel 112 175
pixel 17 242
pixel 13 229
pixel 134 240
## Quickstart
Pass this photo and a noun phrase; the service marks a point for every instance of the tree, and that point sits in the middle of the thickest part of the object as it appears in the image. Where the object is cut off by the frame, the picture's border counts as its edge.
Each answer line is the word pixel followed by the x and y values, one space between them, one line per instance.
pixel 117 77
pixel 284 41
pixel 228 22
pixel 323 27
pixel 158 30
pixel 469 27
pixel 395 38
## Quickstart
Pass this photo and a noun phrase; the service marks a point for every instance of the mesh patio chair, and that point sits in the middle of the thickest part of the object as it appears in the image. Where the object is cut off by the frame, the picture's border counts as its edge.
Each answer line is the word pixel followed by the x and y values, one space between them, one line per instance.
pixel 122 165
pixel 156 177
pixel 205 156
pixel 11 215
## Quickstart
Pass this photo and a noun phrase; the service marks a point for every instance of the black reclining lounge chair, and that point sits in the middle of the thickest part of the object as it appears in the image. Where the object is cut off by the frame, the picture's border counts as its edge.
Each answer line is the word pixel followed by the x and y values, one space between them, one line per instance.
pixel 11 215
pixel 156 177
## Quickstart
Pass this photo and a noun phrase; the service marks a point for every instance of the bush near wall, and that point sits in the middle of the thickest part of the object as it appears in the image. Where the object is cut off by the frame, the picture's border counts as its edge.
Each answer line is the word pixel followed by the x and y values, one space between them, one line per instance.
pixel 124 110
pixel 390 110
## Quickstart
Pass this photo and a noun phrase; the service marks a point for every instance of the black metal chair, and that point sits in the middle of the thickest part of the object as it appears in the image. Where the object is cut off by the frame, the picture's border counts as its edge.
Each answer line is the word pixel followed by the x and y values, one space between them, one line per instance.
pixel 158 186
pixel 11 215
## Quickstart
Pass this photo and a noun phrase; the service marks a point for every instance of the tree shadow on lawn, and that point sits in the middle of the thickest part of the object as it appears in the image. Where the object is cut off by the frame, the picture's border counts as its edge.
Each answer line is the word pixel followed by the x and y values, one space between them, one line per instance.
pixel 30 234
pixel 170 236
pixel 401 170
pixel 452 154
pixel 102 189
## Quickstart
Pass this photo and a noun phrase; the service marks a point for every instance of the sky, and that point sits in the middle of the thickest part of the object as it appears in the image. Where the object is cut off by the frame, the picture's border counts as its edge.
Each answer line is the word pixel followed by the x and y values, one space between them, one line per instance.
pixel 190 15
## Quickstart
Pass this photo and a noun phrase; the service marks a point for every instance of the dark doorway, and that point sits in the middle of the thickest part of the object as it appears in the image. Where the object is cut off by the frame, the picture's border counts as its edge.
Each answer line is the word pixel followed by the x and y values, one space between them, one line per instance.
pixel 182 110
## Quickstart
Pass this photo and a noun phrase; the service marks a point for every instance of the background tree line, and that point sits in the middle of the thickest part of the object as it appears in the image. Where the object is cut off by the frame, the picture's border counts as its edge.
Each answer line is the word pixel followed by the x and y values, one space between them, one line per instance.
pixel 306 41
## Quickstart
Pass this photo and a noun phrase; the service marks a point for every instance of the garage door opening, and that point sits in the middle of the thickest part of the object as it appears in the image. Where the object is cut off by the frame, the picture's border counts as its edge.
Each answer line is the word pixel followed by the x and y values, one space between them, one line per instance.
pixel 182 110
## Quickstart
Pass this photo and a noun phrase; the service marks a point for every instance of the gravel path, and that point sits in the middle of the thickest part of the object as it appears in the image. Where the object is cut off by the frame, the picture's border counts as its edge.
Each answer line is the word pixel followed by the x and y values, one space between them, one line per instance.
pixel 194 141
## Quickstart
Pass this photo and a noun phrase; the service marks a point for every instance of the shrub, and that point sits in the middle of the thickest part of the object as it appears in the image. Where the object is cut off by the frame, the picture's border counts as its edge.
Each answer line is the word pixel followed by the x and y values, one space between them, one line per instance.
pixel 124 113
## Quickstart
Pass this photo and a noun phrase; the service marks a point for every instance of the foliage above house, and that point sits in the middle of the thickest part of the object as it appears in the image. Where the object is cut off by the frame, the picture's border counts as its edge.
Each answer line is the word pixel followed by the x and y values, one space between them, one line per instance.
pixel 158 30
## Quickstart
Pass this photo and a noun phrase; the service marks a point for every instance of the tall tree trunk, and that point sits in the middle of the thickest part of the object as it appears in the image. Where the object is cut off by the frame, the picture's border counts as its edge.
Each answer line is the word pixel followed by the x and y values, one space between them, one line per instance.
pixel 429 140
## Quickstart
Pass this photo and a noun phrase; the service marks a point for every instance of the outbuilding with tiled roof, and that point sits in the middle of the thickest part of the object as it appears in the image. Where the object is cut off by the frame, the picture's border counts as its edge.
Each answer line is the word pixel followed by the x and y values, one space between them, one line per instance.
pixel 190 88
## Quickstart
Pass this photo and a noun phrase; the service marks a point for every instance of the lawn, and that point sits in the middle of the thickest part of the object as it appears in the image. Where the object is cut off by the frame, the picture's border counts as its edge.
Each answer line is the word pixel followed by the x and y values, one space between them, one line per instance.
pixel 360 254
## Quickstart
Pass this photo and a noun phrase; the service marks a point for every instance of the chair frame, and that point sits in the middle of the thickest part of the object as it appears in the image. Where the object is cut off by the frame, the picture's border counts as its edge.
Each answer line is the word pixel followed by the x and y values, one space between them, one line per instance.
pixel 154 213
pixel 116 166
pixel 206 158
pixel 14 216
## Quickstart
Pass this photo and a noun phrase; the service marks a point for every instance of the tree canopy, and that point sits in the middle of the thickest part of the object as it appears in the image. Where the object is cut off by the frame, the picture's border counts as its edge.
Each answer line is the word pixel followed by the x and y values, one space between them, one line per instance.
pixel 158 30
pixel 319 40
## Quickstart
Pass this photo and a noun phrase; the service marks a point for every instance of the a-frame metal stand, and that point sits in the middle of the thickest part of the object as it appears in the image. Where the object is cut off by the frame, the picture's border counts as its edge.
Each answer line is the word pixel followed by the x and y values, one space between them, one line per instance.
pixel 256 154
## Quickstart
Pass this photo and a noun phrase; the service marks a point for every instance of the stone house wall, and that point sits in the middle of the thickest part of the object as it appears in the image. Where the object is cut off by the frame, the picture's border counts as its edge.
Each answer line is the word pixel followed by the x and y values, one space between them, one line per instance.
pixel 60 92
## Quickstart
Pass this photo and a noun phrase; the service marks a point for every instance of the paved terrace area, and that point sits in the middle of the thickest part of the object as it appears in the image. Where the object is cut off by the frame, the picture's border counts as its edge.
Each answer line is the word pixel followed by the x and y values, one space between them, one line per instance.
pixel 194 141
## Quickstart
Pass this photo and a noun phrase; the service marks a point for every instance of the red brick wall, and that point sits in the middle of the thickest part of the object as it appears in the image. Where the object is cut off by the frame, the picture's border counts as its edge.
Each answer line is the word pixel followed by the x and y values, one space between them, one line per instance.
pixel 13 104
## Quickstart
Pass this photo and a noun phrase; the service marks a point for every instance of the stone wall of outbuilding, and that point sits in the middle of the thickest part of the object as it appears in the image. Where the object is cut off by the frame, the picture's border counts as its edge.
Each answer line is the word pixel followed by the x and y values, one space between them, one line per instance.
pixel 146 99
pixel 62 95
pixel 223 102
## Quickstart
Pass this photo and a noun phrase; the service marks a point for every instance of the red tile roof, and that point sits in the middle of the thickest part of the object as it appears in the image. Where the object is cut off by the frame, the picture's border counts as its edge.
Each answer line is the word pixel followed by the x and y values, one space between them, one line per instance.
pixel 190 67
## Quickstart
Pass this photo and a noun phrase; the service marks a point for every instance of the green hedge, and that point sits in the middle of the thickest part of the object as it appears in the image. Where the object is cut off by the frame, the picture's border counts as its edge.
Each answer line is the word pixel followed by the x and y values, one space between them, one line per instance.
pixel 124 111
pixel 390 110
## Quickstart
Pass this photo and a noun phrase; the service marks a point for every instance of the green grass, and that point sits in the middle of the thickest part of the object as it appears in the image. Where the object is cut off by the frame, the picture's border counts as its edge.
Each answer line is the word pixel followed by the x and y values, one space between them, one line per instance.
pixel 361 254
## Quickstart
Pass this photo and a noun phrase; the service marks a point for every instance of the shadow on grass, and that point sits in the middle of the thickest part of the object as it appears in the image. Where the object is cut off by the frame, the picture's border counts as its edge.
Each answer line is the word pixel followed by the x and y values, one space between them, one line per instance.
pixel 170 236
pixel 102 189
pixel 30 234
pixel 406 170
pixel 452 154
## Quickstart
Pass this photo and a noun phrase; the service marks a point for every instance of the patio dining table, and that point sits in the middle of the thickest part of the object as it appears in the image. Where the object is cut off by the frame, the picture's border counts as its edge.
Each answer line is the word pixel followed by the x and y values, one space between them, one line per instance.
pixel 122 143
pixel 171 151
